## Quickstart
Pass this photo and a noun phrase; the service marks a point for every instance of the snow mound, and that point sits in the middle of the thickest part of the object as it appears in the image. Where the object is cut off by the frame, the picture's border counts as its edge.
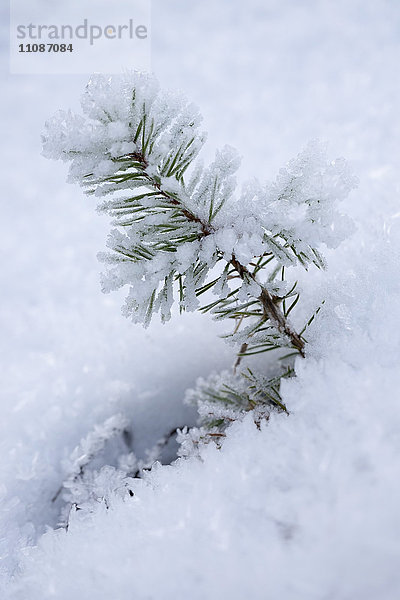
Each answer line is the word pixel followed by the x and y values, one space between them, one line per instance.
pixel 305 508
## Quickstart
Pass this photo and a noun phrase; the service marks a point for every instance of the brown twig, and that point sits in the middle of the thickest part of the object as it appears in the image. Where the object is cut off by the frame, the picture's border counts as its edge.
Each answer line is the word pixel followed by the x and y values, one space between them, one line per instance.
pixel 270 308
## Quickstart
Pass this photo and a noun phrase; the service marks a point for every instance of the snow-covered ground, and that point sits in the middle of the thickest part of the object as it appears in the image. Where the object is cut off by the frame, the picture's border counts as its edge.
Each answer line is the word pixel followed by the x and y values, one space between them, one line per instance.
pixel 308 507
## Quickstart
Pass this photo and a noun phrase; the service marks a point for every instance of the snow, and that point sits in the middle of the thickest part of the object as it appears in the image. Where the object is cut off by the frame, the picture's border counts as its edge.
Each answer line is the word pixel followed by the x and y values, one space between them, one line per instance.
pixel 308 506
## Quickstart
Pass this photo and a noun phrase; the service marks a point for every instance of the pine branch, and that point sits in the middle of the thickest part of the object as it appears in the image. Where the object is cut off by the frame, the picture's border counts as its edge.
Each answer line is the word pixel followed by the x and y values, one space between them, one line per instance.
pixel 178 223
pixel 270 307
pixel 133 137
